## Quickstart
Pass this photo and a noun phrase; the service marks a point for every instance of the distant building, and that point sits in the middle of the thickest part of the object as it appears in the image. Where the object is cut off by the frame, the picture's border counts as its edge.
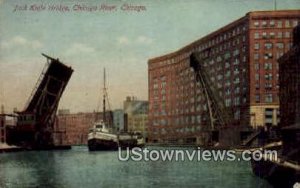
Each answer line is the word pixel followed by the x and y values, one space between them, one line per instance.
pixel 118 119
pixel 136 113
pixel 6 120
pixel 289 79
pixel 242 61
pixel 138 123
pixel 73 128
pixel 63 111
pixel 134 106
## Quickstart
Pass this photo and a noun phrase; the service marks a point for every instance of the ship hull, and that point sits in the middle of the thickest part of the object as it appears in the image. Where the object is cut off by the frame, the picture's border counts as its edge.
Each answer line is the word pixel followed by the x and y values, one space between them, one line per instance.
pixel 102 145
pixel 106 142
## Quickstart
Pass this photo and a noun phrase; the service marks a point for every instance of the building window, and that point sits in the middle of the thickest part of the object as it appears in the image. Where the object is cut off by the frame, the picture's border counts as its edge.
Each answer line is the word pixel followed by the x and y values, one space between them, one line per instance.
pixel 236 80
pixel 227 65
pixel 256 76
pixel 227 92
pixel 268 76
pixel 163 84
pixel 227 55
pixel 244 28
pixel 228 73
pixel 280 45
pixel 264 23
pixel 289 46
pixel 257 98
pixel 279 24
pixel 256 46
pixel 268 66
pixel 287 34
pixel 198 119
pixel 268 86
pixel 256 23
pixel 272 34
pixel 268 56
pixel 272 23
pixel 244 58
pixel 227 102
pixel 256 56
pixel 257 85
pixel 295 23
pixel 236 71
pixel 268 45
pixel 279 35
pixel 256 66
pixel 236 52
pixel 287 23
pixel 256 35
pixel 219 77
pixel 236 101
pixel 236 61
pixel 269 98
pixel 279 54
pixel 264 35
pixel 268 116
pixel 237 115
pixel 244 48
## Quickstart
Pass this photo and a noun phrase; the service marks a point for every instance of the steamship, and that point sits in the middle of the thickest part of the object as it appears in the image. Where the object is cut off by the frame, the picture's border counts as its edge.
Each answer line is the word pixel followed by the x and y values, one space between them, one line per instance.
pixel 102 136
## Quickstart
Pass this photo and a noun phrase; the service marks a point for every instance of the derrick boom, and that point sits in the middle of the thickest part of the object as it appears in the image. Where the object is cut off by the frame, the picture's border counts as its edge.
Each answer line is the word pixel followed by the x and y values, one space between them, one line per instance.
pixel 219 115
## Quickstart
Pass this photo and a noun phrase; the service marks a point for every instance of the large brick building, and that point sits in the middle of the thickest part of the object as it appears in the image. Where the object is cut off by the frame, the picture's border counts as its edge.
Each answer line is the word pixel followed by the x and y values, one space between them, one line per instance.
pixel 242 61
pixel 73 129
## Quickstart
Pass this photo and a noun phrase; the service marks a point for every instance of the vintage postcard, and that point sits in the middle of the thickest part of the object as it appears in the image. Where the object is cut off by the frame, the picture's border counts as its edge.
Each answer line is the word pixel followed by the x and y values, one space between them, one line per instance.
pixel 145 93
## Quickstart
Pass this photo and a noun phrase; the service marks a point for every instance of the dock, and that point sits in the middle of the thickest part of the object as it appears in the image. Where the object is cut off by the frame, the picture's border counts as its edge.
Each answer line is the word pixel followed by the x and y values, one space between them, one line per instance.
pixel 4 148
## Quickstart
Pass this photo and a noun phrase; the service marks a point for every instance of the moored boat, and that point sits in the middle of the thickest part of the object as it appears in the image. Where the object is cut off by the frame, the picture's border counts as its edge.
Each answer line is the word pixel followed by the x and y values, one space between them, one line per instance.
pixel 102 136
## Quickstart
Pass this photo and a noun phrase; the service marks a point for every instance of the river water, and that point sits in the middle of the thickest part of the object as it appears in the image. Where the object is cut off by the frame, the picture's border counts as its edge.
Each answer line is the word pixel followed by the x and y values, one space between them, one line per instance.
pixel 80 168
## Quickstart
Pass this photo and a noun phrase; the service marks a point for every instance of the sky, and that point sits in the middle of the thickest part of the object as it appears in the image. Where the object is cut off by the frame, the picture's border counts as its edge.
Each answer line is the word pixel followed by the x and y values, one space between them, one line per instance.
pixel 122 41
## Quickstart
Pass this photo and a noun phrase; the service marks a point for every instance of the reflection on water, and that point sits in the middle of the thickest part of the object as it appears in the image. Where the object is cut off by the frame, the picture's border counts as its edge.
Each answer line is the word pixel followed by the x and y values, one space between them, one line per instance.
pixel 80 168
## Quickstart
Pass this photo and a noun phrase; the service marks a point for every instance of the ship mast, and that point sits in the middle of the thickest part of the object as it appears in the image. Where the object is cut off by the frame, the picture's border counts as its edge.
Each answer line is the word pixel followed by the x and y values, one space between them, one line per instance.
pixel 104 96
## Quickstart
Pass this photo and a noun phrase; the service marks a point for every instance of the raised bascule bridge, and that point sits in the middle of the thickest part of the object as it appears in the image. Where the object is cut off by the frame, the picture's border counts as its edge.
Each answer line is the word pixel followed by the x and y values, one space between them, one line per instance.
pixel 35 124
pixel 221 130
